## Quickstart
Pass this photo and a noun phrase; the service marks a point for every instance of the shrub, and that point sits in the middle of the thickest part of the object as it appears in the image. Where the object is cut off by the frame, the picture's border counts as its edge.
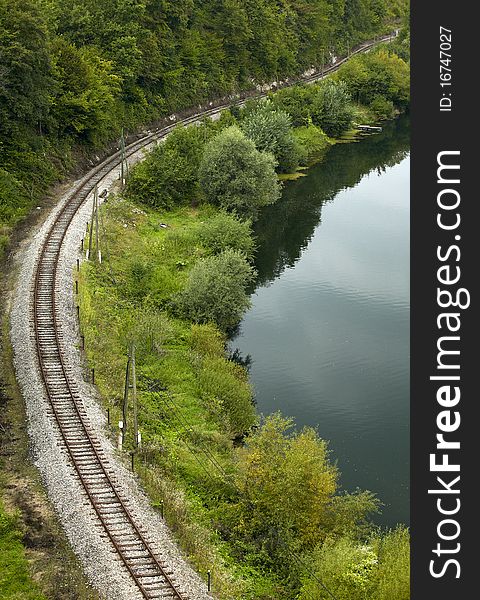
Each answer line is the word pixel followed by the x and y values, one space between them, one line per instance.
pixel 296 102
pixel 168 177
pixel 379 73
pixel 236 176
pixel 222 385
pixel 286 483
pixel 216 290
pixel 383 108
pixel 392 577
pixel 311 140
pixel 271 131
pixel 207 340
pixel 379 570
pixel 332 108
pixel 225 231
pixel 345 567
pixel 13 199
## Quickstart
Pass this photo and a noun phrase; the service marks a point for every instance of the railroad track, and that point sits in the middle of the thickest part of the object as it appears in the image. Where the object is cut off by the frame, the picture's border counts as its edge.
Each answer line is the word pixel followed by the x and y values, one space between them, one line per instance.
pixel 151 575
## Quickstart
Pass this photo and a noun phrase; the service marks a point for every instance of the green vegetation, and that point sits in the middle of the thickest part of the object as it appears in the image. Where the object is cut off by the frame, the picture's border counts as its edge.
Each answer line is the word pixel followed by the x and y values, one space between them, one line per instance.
pixel 377 75
pixel 224 231
pixel 216 290
pixel 15 577
pixel 377 569
pixel 332 109
pixel 271 131
pixel 257 502
pixel 74 72
pixel 235 175
pixel 231 162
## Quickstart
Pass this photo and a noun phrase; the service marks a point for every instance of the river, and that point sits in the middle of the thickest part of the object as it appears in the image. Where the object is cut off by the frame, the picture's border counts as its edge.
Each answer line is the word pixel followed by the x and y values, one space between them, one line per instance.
pixel 328 331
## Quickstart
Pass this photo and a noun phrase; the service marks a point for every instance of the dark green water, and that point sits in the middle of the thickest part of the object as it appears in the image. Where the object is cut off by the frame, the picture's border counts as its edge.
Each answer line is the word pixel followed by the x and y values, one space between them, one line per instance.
pixel 328 332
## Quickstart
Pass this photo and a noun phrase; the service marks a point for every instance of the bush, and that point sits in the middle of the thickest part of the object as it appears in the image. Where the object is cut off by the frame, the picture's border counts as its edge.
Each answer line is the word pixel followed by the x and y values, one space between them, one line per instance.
pixel 236 176
pixel 379 570
pixel 206 340
pixel 271 131
pixel 225 231
pixel 311 140
pixel 380 73
pixel 332 108
pixel 345 567
pixel 286 483
pixel 168 177
pixel 222 385
pixel 296 102
pixel 382 107
pixel 216 290
pixel 392 576
pixel 13 199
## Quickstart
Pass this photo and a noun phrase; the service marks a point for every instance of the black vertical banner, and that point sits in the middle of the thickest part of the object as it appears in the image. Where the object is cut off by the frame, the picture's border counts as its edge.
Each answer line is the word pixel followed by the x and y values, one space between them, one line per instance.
pixel 445 245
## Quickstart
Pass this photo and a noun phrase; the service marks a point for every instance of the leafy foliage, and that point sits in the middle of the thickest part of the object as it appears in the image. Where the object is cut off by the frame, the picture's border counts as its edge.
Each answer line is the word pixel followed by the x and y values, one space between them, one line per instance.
pixel 216 290
pixel 236 176
pixel 332 110
pixel 169 175
pixel 224 390
pixel 271 131
pixel 225 231
pixel 311 140
pixel 352 570
pixel 378 74
pixel 286 484
pixel 346 568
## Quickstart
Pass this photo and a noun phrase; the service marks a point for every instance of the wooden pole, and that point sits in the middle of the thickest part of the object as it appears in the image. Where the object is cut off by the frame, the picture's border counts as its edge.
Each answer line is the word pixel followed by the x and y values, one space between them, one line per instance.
pixel 122 145
pixel 89 250
pixel 103 239
pixel 134 396
pixel 97 239
pixel 125 398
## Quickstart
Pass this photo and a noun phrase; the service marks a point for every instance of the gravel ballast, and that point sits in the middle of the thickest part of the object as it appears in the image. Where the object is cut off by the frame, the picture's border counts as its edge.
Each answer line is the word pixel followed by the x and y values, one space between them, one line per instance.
pixel 102 566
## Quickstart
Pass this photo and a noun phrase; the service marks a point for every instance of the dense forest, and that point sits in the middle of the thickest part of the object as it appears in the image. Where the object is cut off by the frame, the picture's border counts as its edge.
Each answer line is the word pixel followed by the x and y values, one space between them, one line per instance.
pixel 74 72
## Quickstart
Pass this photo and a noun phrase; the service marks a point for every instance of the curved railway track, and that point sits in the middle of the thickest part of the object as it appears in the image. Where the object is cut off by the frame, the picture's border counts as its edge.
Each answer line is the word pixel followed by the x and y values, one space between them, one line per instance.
pixel 151 576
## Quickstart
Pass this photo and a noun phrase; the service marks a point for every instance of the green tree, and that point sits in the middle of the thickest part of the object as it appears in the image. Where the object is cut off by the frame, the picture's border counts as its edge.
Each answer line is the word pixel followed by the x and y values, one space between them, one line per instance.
pixel 216 290
pixel 271 131
pixel 236 176
pixel 86 91
pixel 168 177
pixel 332 108
pixel 377 74
pixel 287 482
pixel 26 81
pixel 295 101
pixel 353 570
